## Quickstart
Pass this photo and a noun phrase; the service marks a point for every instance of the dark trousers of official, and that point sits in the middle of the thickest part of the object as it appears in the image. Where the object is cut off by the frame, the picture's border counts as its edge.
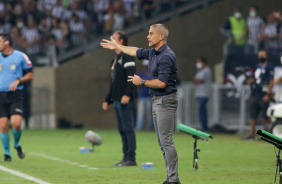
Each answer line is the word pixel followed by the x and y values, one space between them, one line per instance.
pixel 203 115
pixel 164 111
pixel 125 119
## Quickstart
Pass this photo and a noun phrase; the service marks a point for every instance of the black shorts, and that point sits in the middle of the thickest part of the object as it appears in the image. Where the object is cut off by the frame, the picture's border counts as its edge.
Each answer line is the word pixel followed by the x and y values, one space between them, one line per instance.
pixel 256 106
pixel 11 103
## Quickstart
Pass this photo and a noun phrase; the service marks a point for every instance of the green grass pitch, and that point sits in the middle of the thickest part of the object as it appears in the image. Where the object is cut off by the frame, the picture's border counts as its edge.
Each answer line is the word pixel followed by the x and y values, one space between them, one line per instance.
pixel 226 159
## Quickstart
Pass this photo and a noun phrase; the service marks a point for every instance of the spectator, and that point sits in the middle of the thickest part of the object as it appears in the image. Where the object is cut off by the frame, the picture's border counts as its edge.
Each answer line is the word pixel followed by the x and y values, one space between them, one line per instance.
pixel 2 9
pixel 32 40
pixel 30 10
pixel 66 44
pixel 21 25
pixel 5 27
pixel 261 86
pixel 119 15
pixel 277 15
pixel 270 35
pixel 44 28
pixel 109 21
pixel 255 27
pixel 57 38
pixel 115 20
pixel 144 102
pixel 128 7
pixel 17 11
pixel 235 29
pixel 278 85
pixel 75 8
pixel 43 5
pixel 148 7
pixel 10 17
pixel 202 80
pixel 100 8
pixel 17 39
pixel 58 11
pixel 78 32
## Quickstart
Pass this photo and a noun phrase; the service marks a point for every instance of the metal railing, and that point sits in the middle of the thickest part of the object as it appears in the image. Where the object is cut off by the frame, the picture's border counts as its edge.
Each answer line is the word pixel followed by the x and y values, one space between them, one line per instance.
pixel 227 106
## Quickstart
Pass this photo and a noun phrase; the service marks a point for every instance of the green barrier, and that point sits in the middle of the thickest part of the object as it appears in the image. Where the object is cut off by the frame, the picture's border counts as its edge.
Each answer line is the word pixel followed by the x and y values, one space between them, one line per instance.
pixel 193 131
pixel 270 136
pixel 277 142
pixel 196 134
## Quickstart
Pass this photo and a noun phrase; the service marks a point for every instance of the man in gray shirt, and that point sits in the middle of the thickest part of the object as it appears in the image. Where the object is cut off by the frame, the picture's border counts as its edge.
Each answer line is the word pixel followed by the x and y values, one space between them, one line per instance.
pixel 202 80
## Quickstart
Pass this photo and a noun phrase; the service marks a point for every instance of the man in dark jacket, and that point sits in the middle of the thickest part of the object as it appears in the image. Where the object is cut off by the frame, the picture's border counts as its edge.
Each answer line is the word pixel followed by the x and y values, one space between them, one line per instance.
pixel 122 94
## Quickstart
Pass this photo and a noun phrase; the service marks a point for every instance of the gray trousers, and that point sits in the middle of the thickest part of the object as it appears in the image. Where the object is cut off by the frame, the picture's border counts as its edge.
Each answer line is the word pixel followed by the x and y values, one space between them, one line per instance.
pixel 164 110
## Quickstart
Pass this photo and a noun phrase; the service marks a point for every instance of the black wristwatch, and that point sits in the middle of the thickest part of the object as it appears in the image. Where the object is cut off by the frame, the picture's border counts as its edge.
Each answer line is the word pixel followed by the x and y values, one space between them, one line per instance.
pixel 143 82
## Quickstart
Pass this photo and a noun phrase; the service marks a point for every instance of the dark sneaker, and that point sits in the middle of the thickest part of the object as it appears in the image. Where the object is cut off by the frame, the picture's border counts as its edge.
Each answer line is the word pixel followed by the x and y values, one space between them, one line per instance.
pixel 129 163
pixel 20 151
pixel 167 182
pixel 7 158
pixel 119 163
pixel 249 137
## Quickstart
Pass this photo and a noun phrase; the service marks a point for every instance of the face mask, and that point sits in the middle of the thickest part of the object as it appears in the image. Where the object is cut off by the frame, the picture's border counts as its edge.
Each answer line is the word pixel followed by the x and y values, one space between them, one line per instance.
pixel 262 59
pixel 253 13
pixel 20 24
pixel 237 15
pixel 199 65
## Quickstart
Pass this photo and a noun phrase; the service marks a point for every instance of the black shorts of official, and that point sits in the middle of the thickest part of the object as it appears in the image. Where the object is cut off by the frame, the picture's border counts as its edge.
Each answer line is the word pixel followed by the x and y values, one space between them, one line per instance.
pixel 256 106
pixel 11 103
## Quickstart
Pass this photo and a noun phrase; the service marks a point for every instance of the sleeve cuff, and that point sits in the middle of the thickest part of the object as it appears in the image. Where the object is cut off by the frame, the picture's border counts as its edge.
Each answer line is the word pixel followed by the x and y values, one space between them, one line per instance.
pixel 163 78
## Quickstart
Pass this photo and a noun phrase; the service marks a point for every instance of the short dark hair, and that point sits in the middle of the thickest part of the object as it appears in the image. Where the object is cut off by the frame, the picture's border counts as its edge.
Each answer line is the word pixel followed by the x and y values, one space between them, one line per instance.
pixel 255 7
pixel 7 37
pixel 204 60
pixel 123 36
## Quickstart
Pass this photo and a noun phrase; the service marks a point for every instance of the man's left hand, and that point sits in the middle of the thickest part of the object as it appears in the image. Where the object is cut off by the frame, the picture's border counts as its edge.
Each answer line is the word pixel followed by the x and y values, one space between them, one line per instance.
pixel 125 99
pixel 14 85
pixel 136 80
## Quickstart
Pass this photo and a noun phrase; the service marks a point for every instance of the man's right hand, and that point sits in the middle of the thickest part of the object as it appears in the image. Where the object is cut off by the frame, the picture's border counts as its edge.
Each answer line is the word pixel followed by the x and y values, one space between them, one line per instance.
pixel 107 44
pixel 105 106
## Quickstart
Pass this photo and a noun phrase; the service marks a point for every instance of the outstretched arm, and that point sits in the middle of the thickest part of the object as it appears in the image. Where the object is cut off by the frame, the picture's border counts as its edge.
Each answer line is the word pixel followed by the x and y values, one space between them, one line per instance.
pixel 113 45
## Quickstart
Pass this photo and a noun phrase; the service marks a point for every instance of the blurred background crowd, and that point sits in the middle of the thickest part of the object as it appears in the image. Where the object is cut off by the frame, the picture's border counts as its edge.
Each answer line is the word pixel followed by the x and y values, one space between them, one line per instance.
pixel 255 32
pixel 37 24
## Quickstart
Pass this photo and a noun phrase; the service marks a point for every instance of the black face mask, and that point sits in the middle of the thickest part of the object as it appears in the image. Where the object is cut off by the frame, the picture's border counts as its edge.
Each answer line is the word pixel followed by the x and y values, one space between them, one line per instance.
pixel 262 59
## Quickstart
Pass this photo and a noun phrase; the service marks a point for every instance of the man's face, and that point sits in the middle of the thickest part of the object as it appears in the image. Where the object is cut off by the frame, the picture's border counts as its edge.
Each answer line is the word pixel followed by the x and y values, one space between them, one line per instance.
pixel 116 38
pixel 153 37
pixel 2 44
pixel 262 54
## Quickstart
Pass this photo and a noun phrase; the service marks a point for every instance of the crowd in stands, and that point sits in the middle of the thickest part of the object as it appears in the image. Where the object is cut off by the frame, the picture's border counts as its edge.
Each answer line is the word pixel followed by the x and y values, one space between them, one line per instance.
pixel 37 24
pixel 253 33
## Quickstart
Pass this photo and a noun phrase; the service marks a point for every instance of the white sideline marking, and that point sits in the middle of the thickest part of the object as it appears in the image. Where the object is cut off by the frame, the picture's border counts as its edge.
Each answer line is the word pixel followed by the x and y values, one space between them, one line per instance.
pixel 22 175
pixel 61 160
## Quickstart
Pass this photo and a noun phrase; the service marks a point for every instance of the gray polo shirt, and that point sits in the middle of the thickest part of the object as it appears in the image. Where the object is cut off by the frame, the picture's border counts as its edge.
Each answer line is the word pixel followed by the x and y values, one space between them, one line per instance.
pixel 203 89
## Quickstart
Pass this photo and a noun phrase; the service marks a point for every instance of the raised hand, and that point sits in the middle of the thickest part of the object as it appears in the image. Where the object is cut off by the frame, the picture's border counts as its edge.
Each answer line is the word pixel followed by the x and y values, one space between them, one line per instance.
pixel 107 44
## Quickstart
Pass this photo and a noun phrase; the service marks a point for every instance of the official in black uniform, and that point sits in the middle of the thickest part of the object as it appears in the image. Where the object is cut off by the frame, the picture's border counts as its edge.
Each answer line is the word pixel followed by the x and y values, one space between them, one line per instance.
pixel 122 94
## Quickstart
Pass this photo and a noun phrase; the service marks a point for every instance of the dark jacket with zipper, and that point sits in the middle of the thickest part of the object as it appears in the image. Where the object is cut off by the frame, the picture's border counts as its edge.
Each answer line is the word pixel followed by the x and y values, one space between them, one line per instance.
pixel 122 67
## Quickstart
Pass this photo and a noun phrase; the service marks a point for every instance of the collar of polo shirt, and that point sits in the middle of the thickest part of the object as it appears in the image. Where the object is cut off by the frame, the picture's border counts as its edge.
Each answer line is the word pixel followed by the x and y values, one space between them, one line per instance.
pixel 161 48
